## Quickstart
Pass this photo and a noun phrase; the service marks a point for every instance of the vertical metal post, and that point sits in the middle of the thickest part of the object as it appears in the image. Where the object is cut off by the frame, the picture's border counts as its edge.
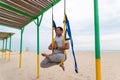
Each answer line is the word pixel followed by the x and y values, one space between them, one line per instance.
pixel 38 45
pixel 9 47
pixel 21 41
pixel 97 40
pixel 52 30
pixel 5 49
pixel 52 37
pixel 38 57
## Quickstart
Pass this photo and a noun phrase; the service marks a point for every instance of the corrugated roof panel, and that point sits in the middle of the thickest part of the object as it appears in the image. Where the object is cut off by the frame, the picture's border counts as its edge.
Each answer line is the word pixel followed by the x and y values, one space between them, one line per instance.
pixel 4 35
pixel 10 12
pixel 34 4
pixel 18 13
pixel 9 23
pixel 20 6
pixel 11 17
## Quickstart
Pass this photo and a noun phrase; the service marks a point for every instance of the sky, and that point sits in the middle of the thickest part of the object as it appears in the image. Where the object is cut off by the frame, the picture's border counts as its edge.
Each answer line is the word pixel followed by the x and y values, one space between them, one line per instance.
pixel 81 17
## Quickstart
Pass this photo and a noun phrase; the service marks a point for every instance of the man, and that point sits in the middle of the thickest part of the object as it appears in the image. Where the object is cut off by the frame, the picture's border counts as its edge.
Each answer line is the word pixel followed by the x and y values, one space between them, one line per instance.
pixel 58 54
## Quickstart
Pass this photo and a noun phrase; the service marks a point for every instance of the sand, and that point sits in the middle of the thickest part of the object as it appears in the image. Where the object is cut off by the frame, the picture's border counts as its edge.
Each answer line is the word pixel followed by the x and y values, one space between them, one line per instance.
pixel 110 64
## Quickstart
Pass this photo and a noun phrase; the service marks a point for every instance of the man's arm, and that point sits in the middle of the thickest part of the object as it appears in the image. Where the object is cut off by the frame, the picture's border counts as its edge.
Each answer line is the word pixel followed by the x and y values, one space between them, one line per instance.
pixel 66 46
pixel 50 47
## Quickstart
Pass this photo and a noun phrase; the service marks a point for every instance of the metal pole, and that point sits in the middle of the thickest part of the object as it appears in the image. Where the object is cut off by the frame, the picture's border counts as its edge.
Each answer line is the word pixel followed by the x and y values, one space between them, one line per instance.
pixel 52 30
pixel 21 40
pixel 9 47
pixel 38 45
pixel 97 40
pixel 3 49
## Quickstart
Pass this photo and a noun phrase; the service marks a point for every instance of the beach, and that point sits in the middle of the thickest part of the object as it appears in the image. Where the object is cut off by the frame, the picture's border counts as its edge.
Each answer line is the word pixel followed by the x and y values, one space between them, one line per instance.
pixel 110 64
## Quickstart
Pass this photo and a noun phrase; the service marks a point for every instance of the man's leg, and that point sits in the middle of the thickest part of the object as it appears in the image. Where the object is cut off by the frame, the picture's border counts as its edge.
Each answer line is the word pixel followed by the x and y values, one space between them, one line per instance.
pixel 58 58
pixel 47 63
pixel 52 60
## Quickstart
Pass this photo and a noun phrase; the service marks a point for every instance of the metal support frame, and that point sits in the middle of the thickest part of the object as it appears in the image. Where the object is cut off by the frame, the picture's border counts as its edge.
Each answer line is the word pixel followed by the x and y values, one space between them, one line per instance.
pixel 38 45
pixel 9 46
pixel 52 29
pixel 21 40
pixel 97 40
pixel 5 49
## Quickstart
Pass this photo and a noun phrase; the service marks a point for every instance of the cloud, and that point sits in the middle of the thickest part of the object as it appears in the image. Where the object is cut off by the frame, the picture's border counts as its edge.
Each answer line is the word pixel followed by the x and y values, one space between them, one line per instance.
pixel 109 9
pixel 110 37
pixel 84 42
pixel 110 42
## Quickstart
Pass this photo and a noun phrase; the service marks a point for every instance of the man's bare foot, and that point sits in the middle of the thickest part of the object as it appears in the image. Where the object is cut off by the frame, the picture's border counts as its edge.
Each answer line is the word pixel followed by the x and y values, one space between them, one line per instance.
pixel 44 54
pixel 63 67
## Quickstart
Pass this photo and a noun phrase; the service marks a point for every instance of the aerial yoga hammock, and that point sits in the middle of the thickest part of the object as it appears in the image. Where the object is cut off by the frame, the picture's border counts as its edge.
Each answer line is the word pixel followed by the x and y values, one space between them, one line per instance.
pixel 66 31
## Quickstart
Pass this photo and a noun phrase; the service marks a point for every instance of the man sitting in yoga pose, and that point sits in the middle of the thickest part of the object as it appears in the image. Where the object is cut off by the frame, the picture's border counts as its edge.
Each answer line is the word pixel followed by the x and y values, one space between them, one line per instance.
pixel 58 54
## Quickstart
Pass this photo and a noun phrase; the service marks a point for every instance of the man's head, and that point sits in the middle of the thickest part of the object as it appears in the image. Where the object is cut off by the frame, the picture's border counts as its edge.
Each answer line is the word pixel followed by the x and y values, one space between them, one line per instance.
pixel 59 31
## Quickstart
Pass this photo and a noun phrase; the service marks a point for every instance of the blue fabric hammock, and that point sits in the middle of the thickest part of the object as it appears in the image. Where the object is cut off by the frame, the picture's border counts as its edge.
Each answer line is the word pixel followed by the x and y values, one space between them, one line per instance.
pixel 54 25
pixel 68 30
pixel 71 40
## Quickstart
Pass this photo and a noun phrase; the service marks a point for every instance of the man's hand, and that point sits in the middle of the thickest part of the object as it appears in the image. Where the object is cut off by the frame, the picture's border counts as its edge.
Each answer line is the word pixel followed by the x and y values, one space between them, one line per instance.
pixel 53 46
pixel 45 55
